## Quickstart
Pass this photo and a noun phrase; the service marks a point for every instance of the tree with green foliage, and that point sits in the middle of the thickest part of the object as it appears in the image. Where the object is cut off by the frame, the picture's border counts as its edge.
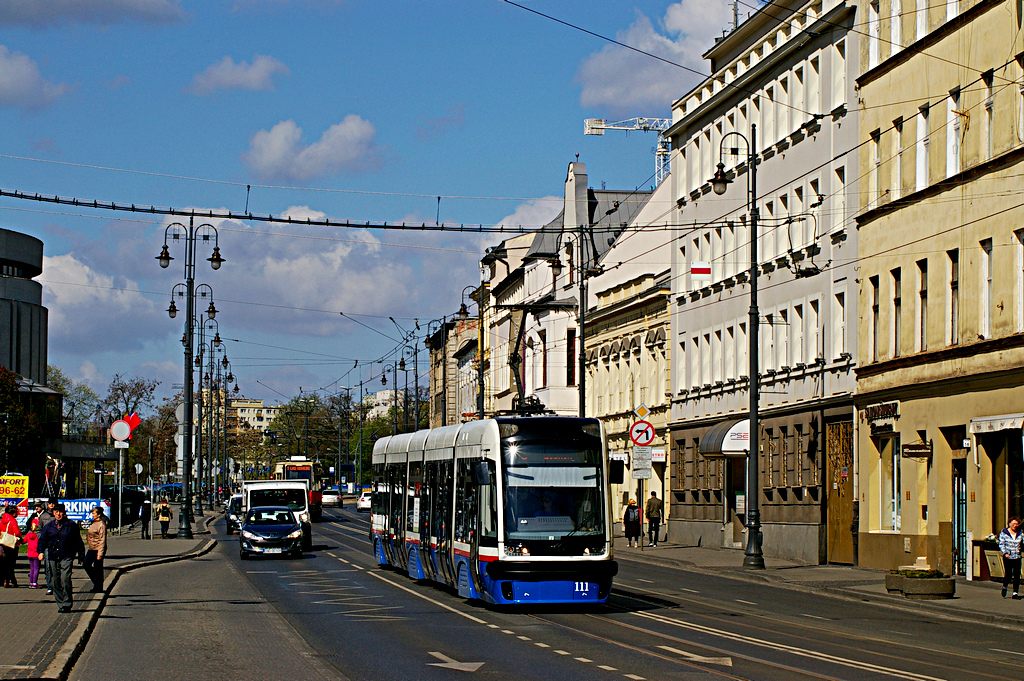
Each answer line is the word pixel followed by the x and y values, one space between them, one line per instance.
pixel 80 401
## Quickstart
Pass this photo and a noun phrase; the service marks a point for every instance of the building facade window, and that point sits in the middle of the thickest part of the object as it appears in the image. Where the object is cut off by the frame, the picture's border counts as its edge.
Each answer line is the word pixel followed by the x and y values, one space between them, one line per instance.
pixel 838 324
pixel 953 131
pixel 895 26
pixel 897 158
pixel 989 132
pixel 921 150
pixel 986 289
pixel 570 357
pixel 1018 244
pixel 875 295
pixel 921 341
pixel 890 480
pixel 897 310
pixel 921 12
pixel 874 30
pixel 953 331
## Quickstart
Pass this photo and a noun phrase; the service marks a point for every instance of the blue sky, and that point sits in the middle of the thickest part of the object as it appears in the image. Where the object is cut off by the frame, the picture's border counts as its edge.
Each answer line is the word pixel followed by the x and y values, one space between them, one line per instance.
pixel 354 110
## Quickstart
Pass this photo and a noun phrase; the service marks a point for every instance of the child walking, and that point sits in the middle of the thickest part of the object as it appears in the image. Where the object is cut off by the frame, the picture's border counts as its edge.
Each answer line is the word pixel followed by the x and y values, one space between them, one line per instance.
pixel 32 542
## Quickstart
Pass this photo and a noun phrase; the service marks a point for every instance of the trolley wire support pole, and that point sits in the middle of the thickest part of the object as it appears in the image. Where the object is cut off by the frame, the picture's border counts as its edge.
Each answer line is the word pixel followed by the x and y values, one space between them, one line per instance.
pixel 753 556
pixel 190 233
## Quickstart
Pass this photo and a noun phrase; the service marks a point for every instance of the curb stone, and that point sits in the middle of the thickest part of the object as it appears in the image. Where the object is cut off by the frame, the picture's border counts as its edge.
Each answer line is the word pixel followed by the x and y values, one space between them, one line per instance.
pixel 894 602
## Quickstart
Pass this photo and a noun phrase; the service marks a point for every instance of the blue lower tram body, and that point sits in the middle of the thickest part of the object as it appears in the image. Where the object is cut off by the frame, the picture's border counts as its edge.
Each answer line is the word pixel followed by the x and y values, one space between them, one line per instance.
pixel 508 582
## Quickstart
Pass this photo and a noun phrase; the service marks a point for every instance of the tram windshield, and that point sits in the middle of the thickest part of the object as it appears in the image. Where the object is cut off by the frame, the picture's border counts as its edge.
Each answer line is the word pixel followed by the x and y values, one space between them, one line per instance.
pixel 553 493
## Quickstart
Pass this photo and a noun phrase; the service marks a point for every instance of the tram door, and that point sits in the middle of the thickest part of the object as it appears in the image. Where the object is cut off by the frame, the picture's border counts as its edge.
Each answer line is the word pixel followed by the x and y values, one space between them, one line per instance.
pixel 426 494
pixel 396 511
pixel 442 520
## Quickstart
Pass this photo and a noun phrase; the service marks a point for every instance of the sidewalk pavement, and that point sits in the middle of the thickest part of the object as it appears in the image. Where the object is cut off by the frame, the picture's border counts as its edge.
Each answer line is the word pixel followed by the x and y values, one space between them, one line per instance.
pixel 975 601
pixel 43 644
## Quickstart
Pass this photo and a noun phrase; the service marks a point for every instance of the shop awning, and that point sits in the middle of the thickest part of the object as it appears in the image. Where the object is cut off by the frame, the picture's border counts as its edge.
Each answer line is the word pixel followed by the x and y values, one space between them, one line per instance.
pixel 990 424
pixel 729 439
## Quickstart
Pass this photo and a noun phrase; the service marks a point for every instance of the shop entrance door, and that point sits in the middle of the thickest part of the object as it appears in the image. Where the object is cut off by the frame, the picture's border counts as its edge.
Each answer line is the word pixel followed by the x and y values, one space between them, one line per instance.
pixel 960 516
pixel 735 502
pixel 839 479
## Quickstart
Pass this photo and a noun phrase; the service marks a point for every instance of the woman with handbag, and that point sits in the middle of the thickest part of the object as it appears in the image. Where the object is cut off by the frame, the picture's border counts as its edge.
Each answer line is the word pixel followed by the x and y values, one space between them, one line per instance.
pixel 10 539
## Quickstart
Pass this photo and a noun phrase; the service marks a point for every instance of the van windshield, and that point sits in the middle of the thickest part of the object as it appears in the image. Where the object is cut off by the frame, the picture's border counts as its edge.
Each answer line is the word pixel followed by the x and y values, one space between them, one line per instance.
pixel 295 499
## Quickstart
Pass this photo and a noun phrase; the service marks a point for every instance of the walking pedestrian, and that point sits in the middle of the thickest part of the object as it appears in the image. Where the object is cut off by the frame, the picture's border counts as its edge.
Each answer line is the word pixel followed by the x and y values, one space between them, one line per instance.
pixel 11 541
pixel 1010 540
pixel 653 511
pixel 96 548
pixel 32 551
pixel 164 515
pixel 45 518
pixel 631 524
pixel 62 543
pixel 145 516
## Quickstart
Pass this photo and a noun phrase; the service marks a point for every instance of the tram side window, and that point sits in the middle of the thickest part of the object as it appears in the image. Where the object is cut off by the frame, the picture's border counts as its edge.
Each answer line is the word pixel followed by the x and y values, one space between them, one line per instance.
pixel 396 489
pixel 415 482
pixel 465 502
pixel 377 499
pixel 443 504
pixel 427 496
pixel 488 511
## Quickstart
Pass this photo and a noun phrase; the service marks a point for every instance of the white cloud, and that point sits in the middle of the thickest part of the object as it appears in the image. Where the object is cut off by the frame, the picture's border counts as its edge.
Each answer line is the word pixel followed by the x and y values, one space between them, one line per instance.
pixel 43 13
pixel 22 85
pixel 227 75
pixel 88 372
pixel 90 310
pixel 632 84
pixel 280 154
pixel 534 214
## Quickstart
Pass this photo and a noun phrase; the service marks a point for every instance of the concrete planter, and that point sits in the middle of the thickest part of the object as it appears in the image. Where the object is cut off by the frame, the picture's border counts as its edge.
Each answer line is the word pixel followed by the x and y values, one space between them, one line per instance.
pixel 930 587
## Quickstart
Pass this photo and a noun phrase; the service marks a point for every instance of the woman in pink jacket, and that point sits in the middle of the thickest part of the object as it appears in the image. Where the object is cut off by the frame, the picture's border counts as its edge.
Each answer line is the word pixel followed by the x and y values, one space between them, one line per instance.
pixel 9 524
pixel 32 542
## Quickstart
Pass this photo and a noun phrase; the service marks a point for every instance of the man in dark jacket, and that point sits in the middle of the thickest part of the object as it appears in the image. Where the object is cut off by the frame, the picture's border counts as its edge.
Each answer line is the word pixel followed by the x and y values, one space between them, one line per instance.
pixel 61 542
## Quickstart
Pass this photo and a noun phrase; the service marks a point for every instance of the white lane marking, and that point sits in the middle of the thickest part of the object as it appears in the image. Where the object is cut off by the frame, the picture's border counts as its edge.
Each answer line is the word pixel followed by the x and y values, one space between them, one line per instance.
pixel 816 617
pixel 260 572
pixel 634 677
pixel 645 581
pixel 507 631
pixel 740 600
pixel 524 638
pixel 561 652
pixel 582 659
pixel 1011 652
pixel 360 567
pixel 450 663
pixel 693 591
pixel 782 647
pixel 542 645
pixel 494 626
pixel 693 657
pixel 607 668
pixel 428 599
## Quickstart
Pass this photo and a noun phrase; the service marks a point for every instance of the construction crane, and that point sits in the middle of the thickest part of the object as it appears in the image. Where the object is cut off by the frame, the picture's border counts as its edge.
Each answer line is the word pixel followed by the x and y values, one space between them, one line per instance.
pixel 662 152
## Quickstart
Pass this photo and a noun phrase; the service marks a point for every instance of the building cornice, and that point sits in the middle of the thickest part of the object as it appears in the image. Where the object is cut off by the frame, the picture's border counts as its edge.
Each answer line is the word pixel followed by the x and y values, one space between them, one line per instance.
pixel 950 353
pixel 929 40
pixel 1003 160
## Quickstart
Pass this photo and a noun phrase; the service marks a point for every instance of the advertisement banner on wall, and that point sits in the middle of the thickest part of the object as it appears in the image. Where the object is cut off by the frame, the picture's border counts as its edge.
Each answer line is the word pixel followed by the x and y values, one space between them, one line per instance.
pixel 14 491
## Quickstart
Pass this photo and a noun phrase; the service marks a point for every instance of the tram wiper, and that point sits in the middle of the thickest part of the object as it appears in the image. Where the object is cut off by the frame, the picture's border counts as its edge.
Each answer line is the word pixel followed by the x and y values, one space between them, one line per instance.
pixel 591 516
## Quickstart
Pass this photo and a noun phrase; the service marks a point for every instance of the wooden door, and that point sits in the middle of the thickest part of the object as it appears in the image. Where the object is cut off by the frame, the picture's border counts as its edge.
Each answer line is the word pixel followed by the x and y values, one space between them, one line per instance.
pixel 839 479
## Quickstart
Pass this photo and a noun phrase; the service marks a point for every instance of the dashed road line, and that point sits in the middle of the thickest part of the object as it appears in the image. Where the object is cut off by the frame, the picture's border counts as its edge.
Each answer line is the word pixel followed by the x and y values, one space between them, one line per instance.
pixel 817 617
pixel 692 591
pixel 740 600
pixel 524 638
pixel 507 631
pixel 634 677
pixel 561 652
pixel 542 645
pixel 607 668
pixel 582 659
pixel 645 581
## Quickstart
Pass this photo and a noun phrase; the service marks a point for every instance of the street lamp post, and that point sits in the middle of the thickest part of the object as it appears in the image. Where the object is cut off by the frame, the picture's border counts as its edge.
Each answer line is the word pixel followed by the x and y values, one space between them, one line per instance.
pixel 753 557
pixel 463 314
pixel 190 233
pixel 384 381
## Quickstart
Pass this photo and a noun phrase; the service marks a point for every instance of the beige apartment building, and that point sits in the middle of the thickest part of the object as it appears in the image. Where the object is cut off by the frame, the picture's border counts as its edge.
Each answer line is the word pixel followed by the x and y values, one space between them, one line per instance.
pixel 940 377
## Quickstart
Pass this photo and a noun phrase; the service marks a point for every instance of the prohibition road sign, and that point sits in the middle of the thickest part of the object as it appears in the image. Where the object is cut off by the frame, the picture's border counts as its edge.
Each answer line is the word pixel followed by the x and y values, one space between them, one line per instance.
pixel 641 433
pixel 120 430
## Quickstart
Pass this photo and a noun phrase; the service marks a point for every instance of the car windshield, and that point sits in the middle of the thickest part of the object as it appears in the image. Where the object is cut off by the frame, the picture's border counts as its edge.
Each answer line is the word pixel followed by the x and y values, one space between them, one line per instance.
pixel 295 499
pixel 235 505
pixel 271 516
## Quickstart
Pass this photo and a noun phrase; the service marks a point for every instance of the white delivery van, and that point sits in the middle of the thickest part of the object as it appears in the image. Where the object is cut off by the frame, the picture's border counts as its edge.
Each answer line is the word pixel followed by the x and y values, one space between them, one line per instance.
pixel 291 493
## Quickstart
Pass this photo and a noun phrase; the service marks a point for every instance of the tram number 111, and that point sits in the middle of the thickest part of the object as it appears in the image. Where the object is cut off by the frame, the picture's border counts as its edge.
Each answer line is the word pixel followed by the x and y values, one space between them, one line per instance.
pixel 582 587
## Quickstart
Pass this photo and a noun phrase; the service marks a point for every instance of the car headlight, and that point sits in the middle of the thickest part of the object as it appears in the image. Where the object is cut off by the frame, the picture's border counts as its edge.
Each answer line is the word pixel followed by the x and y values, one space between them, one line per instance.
pixel 304 517
pixel 248 535
pixel 296 534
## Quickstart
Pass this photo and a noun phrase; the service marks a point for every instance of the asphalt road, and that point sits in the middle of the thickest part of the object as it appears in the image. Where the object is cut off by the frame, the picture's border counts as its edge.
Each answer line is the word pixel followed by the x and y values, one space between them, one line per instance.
pixel 293 618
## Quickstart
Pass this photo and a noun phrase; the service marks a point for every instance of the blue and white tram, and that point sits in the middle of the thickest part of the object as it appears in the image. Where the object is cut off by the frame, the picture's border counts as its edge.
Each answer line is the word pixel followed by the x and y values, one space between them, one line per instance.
pixel 508 510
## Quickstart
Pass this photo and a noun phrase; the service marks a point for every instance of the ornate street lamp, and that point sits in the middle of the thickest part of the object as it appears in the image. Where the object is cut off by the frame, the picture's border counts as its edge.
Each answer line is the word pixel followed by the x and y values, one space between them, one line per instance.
pixel 753 556
pixel 190 233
